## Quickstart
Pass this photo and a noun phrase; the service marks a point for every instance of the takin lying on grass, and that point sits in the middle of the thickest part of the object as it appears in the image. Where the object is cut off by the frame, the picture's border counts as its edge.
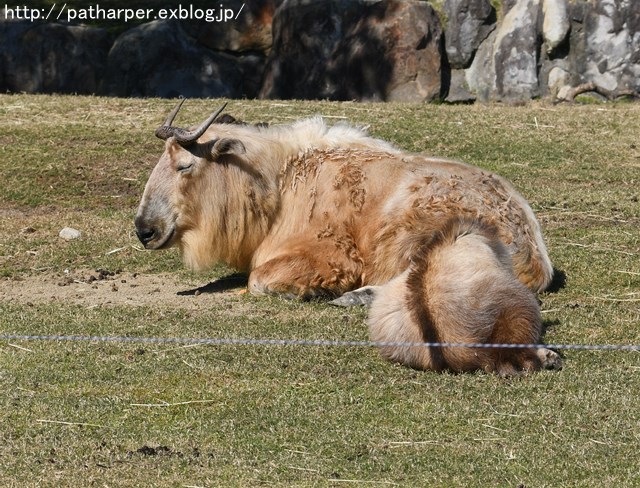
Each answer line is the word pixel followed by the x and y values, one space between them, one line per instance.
pixel 447 252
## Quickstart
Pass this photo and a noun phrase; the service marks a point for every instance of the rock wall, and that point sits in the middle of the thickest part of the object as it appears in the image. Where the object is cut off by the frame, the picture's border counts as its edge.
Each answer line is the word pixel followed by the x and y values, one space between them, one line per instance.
pixel 380 50
pixel 50 58
pixel 540 47
pixel 355 50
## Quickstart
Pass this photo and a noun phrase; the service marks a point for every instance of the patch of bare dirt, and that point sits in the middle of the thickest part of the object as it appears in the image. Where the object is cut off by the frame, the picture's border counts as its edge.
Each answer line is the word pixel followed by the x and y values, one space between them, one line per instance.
pixel 97 288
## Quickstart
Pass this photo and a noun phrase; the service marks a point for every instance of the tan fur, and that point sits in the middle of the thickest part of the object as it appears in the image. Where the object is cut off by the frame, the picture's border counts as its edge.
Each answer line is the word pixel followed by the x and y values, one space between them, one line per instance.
pixel 459 289
pixel 387 203
pixel 310 210
pixel 310 186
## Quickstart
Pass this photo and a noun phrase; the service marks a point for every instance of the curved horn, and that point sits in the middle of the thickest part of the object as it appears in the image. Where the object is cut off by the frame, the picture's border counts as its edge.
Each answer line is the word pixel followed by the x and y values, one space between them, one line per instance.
pixel 165 130
pixel 185 137
pixel 173 113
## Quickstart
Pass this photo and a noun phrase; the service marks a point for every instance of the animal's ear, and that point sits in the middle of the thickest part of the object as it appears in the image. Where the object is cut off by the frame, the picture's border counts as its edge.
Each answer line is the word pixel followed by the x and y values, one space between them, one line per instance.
pixel 227 145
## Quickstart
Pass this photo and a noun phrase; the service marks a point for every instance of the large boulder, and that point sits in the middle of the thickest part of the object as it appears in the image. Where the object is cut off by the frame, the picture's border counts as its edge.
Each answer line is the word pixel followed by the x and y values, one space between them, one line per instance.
pixel 558 63
pixel 480 78
pixel 355 50
pixel 469 22
pixel 516 52
pixel 603 48
pixel 51 57
pixel 250 32
pixel 159 59
pixel 556 23
pixel 506 65
pixel 612 45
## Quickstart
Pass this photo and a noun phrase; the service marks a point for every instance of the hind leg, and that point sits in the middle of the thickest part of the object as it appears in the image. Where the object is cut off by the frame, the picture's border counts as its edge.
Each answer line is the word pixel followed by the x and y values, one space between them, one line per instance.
pixel 516 363
pixel 527 361
pixel 549 359
pixel 519 323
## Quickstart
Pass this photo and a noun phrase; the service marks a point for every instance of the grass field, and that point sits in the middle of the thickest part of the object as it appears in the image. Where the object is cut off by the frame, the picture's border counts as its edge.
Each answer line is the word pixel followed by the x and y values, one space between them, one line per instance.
pixel 119 414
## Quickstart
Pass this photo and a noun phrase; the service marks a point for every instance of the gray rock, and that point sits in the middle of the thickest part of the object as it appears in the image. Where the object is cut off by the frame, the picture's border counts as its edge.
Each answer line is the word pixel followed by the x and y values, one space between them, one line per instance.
pixel 480 77
pixel 51 57
pixel 506 5
pixel 69 234
pixel 506 65
pixel 558 79
pixel 459 88
pixel 570 56
pixel 380 50
pixel 603 48
pixel 516 48
pixel 612 45
pixel 555 26
pixel 469 22
pixel 159 59
pixel 355 50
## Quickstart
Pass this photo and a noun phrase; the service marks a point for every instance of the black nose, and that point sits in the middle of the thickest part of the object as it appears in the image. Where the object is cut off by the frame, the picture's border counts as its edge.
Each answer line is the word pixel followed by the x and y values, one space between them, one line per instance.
pixel 144 231
pixel 145 235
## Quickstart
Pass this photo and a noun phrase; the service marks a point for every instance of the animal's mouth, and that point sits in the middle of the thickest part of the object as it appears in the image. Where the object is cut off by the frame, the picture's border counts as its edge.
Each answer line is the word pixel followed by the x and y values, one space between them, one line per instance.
pixel 154 231
pixel 152 240
pixel 164 242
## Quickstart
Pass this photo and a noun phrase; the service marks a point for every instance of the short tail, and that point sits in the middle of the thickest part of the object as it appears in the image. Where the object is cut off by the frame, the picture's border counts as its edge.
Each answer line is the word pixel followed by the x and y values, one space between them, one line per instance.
pixel 460 288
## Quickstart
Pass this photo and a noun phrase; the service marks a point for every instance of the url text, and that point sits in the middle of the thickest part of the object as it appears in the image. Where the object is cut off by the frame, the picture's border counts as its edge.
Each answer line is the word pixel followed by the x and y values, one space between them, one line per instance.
pixel 95 12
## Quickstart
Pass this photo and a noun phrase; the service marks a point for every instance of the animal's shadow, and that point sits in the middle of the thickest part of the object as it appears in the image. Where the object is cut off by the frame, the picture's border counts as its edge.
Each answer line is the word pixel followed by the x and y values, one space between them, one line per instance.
pixel 558 282
pixel 226 283
pixel 549 325
pixel 240 280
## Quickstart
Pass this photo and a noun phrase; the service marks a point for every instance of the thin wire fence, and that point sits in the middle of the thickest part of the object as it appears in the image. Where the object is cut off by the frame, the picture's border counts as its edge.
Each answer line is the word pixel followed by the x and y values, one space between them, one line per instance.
pixel 223 341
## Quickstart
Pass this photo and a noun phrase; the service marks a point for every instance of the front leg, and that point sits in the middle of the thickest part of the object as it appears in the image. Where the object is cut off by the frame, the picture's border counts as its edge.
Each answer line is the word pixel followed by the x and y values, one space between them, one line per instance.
pixel 311 271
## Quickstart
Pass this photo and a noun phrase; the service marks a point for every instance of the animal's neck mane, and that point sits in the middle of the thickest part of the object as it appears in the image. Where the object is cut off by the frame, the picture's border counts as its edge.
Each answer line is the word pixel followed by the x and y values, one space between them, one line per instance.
pixel 288 141
pixel 242 214
pixel 267 148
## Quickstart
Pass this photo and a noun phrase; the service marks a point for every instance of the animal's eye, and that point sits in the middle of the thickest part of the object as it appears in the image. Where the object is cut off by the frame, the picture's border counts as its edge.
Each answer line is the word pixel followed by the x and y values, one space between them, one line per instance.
pixel 184 168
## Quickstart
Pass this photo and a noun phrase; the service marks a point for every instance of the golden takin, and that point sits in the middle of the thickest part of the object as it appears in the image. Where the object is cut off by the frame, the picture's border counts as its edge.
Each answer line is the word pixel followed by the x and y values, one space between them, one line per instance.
pixel 444 251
